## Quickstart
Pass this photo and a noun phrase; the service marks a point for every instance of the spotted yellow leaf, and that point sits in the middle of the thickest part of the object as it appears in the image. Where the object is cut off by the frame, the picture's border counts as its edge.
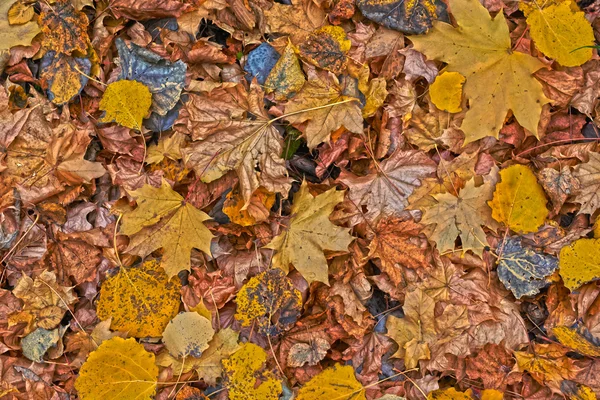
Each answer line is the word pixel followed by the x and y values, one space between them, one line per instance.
pixel 126 103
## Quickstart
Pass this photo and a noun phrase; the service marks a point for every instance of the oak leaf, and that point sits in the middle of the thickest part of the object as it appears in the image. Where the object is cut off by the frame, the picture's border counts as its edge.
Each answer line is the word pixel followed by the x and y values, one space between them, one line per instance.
pixel 325 107
pixel 232 131
pixel 140 300
pixel 498 79
pixel 126 103
pixel 462 215
pixel 588 175
pixel 309 233
pixel 386 192
pixel 163 219
pixel 519 200
pixel 337 382
pixel 188 334
pixel 242 369
pixel 269 302
pixel 560 31
pixel 119 368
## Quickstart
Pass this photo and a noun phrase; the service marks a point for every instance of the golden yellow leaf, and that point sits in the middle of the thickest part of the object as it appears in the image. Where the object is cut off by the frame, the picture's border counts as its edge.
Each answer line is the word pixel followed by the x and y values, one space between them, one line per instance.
pixel 491 394
pixel 375 96
pixel 119 369
pixel 242 369
pixel 326 108
pixel 560 31
pixel 167 147
pixel 269 301
pixel 188 334
pixel 14 35
pixel 498 79
pixel 20 13
pixel 570 338
pixel 337 382
pixel 446 91
pixel 579 262
pixel 519 200
pixel 163 219
pixel 547 363
pixel 126 103
pixel 257 210
pixel 141 301
pixel 309 233
pixel 449 394
pixel 579 392
pixel 286 77
pixel 326 48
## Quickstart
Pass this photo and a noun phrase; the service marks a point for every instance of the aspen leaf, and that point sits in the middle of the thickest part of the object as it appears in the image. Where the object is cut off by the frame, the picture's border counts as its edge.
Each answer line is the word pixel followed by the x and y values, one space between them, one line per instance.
pixel 375 95
pixel 519 200
pixel 140 301
pixel 65 28
pixel 163 219
pixel 270 301
pixel 497 78
pixel 337 382
pixel 286 77
pixel 15 35
pixel 126 103
pixel 579 263
pixel 119 369
pixel 188 334
pixel 561 31
pixel 446 91
pixel 572 339
pixel 20 13
pixel 38 342
pixel 65 75
pixel 326 48
pixel 310 233
pixel 242 369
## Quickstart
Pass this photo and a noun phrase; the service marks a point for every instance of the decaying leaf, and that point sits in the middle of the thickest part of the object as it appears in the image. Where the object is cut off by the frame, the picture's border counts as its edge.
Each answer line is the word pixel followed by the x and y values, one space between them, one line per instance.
pixel 65 28
pixel 140 300
pixel 127 103
pixel 580 262
pixel 119 368
pixel 269 302
pixel 497 78
pixel 337 382
pixel 523 270
pixel 572 339
pixel 412 17
pixel 286 78
pixel 519 200
pixel 164 220
pixel 309 233
pixel 548 363
pixel 243 368
pixel 326 48
pixel 66 75
pixel 38 342
pixel 588 175
pixel 223 344
pixel 188 334
pixel 297 19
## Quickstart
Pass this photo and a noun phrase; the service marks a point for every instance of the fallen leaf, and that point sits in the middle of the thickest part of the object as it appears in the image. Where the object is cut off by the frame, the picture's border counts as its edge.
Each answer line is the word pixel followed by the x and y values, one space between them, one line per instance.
pixel 519 201
pixel 375 97
pixel 135 376
pixel 523 270
pixel 308 353
pixel 167 147
pixel 164 220
pixel 558 185
pixel 20 13
pixel 572 339
pixel 588 175
pixel 414 17
pixel 140 300
pixel 126 103
pixel 38 342
pixel 579 263
pixel 223 344
pixel 65 28
pixel 337 382
pixel 449 394
pixel 15 35
pixel 242 369
pixel 326 48
pixel 256 211
pixel 497 78
pixel 446 91
pixel 286 78
pixel 297 19
pixel 548 363
pixel 66 75
pixel 188 334
pixel 309 233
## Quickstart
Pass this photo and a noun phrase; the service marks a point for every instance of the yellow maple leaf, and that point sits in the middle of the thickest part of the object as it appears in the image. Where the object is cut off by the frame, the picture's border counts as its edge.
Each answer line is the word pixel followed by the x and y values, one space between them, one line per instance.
pixel 309 233
pixel 119 369
pixel 242 369
pixel 561 31
pixel 140 301
pixel 446 91
pixel 498 79
pixel 326 108
pixel 337 382
pixel 188 334
pixel 126 103
pixel 579 263
pixel 163 219
pixel 167 147
pixel 519 200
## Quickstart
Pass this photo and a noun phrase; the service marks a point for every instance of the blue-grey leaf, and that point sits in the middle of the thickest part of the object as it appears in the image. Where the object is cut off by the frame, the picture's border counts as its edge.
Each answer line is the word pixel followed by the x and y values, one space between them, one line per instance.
pixel 164 78
pixel 260 62
pixel 523 270
pixel 161 123
pixel 411 17
pixel 38 342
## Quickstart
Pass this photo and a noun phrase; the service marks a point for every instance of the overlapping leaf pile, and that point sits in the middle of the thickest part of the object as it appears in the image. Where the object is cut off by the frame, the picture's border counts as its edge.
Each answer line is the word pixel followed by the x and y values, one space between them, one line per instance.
pixel 306 199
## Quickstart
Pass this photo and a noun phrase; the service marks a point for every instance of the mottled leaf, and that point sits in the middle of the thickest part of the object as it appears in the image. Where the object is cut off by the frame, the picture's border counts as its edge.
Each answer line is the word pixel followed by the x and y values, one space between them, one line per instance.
pixel 412 17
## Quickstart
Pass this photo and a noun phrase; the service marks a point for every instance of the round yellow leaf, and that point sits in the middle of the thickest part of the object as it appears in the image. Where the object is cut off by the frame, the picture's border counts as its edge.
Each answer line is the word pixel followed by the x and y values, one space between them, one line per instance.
pixel 188 334
pixel 446 91
pixel 141 301
pixel 519 200
pixel 19 13
pixel 337 382
pixel 126 103
pixel 579 262
pixel 119 369
pixel 449 394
